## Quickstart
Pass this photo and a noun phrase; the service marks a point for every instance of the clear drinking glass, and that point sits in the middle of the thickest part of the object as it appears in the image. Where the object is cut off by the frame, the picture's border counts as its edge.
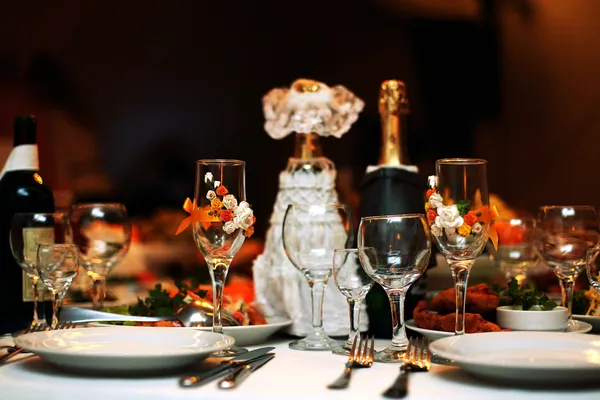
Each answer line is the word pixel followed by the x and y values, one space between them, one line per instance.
pixel 402 250
pixel 102 232
pixel 27 232
pixel 516 253
pixel 459 217
pixel 57 266
pixel 354 283
pixel 220 199
pixel 565 235
pixel 311 233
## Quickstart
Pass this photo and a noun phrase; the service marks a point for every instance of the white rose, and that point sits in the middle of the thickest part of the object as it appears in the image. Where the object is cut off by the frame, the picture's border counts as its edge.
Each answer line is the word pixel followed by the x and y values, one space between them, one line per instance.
pixel 448 217
pixel 211 195
pixel 217 184
pixel 230 202
pixel 477 228
pixel 208 177
pixel 436 230
pixel 241 207
pixel 245 219
pixel 435 200
pixel 229 227
pixel 433 181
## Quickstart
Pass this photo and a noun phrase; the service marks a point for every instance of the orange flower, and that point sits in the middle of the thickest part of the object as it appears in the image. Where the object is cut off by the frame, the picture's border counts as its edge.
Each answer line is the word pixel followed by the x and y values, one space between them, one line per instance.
pixel 222 191
pixel 470 218
pixel 431 214
pixel 226 215
pixel 427 207
pixel 249 232
pixel 464 230
pixel 429 193
pixel 216 204
pixel 253 220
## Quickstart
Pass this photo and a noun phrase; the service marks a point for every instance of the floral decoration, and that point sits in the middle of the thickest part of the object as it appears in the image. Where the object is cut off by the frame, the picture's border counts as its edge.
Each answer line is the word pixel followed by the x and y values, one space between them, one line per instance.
pixel 456 218
pixel 224 207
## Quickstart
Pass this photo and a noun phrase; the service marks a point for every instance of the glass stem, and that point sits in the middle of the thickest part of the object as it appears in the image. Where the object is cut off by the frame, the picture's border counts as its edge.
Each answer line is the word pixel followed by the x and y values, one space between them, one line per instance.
pixel 317 292
pixel 36 298
pixel 218 273
pixel 99 293
pixel 566 288
pixel 354 307
pixel 396 297
pixel 55 303
pixel 460 273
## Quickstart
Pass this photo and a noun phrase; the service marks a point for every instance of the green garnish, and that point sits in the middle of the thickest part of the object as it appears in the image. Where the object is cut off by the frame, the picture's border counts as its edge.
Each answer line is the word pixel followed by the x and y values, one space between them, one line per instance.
pixel 526 298
pixel 463 207
pixel 160 304
pixel 581 304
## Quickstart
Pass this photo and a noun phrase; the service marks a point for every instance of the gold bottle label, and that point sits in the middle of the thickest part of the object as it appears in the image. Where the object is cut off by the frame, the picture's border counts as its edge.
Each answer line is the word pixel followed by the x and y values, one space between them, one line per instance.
pixel 32 237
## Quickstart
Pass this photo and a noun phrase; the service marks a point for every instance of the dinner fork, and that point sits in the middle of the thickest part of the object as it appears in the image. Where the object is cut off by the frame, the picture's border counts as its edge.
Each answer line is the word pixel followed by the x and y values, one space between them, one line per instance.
pixel 417 358
pixel 35 328
pixel 361 356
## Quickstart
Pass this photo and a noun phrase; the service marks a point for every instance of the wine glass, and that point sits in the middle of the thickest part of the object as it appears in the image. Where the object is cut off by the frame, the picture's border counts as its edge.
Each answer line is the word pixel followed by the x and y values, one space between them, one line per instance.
pixel 102 232
pixel 311 233
pixel 354 283
pixel 26 233
pixel 224 219
pixel 57 266
pixel 516 253
pixel 402 250
pixel 564 237
pixel 593 268
pixel 459 217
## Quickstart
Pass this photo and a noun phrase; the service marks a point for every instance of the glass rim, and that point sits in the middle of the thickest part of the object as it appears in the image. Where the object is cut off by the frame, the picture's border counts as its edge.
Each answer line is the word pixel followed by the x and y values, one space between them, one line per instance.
pixel 59 245
pixel 580 207
pixel 89 205
pixel 461 161
pixel 393 216
pixel 352 249
pixel 337 205
pixel 41 213
pixel 220 161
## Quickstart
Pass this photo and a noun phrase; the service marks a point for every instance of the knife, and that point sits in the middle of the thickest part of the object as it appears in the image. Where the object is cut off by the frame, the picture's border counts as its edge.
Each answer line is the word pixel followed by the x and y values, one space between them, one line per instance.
pixel 239 374
pixel 223 368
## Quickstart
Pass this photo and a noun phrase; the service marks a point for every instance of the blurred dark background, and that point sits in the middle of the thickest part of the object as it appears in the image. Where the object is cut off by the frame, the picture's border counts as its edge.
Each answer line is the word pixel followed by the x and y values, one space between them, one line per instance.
pixel 129 94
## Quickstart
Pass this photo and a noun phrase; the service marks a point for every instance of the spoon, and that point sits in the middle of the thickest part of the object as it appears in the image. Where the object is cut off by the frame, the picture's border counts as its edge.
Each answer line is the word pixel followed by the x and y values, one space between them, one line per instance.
pixel 196 313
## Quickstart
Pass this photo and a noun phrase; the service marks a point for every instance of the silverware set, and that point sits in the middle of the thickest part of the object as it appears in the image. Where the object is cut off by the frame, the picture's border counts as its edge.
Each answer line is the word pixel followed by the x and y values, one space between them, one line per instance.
pixel 14 350
pixel 417 358
pixel 233 371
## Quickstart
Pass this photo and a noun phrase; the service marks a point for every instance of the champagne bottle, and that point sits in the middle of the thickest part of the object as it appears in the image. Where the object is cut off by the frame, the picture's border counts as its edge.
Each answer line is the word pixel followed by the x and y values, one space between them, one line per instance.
pixel 22 190
pixel 392 187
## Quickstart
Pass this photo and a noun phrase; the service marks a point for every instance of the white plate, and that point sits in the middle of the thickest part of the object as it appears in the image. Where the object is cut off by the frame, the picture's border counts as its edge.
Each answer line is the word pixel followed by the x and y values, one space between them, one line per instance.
pixel 244 335
pixel 593 321
pixel 574 327
pixel 112 349
pixel 525 357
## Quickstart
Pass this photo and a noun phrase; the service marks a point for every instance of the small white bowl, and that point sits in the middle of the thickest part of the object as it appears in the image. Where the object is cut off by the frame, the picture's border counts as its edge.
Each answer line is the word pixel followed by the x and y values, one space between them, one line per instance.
pixel 509 317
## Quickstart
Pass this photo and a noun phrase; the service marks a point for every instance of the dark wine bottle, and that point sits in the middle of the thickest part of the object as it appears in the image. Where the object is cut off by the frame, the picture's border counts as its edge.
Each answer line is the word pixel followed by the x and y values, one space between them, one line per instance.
pixel 22 190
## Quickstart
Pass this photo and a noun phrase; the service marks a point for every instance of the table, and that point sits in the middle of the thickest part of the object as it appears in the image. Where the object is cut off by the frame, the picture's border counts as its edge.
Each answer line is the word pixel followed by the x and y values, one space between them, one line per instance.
pixel 291 375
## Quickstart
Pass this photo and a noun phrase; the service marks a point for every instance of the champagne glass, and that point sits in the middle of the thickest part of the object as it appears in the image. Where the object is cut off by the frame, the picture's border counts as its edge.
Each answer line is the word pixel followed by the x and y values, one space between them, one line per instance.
pixel 225 218
pixel 102 232
pixel 311 233
pixel 459 216
pixel 593 268
pixel 354 283
pixel 565 235
pixel 27 232
pixel 402 250
pixel 57 266
pixel 516 253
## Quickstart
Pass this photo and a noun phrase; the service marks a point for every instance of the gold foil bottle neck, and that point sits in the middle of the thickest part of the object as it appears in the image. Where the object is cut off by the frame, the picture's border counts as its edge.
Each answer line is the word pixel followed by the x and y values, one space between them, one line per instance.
pixel 307 146
pixel 393 107
pixel 392 97
pixel 306 86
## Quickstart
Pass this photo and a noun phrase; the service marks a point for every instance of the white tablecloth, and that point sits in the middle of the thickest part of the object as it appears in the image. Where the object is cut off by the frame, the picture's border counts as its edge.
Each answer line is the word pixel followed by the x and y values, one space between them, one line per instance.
pixel 291 375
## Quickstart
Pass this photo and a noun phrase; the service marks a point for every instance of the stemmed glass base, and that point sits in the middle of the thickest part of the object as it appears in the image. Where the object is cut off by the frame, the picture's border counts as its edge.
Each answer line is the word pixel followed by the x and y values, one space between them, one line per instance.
pixel 39 313
pixel 391 354
pixel 317 340
pixel 230 352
